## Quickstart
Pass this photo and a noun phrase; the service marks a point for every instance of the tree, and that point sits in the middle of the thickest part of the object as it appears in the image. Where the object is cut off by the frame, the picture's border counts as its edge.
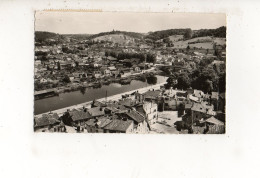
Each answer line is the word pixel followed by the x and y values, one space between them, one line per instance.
pixel 83 90
pixel 151 80
pixel 188 34
pixel 58 65
pixel 66 79
pixel 184 81
pixel 222 83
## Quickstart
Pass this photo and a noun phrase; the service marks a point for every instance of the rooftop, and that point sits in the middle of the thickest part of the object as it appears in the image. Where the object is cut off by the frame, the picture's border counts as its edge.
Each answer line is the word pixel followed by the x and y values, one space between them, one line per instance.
pixel 46 119
pixel 118 125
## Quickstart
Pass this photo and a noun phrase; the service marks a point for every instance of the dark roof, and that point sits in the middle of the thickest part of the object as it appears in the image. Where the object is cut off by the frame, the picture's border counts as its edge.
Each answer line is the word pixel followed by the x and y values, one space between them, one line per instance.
pixel 136 116
pixel 96 111
pixel 152 94
pixel 47 119
pixel 140 109
pixel 118 125
pixel 79 115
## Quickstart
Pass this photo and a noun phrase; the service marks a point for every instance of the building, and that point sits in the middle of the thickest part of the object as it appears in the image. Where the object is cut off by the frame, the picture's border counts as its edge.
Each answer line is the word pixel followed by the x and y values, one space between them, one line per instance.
pixel 76 117
pixel 151 112
pixel 201 111
pixel 140 123
pixel 46 122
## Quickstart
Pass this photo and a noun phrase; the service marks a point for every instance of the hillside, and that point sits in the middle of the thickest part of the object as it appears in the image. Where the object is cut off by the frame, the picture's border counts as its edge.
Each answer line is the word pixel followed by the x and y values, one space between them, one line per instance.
pixel 130 34
pixel 157 35
pixel 218 32
pixel 116 38
pixel 206 42
pixel 40 36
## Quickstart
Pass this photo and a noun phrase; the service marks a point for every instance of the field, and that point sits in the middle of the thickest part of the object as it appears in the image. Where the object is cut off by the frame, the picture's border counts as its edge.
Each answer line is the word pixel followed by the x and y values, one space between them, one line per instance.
pixel 200 42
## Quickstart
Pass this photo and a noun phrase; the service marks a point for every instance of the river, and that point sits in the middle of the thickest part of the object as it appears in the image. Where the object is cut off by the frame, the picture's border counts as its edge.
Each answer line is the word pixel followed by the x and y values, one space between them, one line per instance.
pixel 89 94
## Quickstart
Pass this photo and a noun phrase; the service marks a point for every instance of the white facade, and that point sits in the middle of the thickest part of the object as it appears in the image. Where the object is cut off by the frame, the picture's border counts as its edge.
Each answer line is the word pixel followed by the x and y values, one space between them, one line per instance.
pixel 151 112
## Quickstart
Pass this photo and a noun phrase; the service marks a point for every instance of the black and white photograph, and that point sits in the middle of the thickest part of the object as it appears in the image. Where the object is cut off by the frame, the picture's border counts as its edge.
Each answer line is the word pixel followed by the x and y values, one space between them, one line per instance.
pixel 114 72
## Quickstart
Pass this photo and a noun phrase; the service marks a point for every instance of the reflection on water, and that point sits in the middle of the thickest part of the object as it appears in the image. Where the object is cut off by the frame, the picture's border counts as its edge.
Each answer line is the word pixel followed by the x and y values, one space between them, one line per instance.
pixel 89 94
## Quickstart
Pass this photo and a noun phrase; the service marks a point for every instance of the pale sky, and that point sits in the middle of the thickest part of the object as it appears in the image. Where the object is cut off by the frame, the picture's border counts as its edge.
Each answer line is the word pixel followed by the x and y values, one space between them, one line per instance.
pixel 96 22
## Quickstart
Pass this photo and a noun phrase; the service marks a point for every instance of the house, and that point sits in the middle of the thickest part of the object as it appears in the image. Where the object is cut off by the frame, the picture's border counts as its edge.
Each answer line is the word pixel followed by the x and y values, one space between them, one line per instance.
pixel 214 126
pixel 75 117
pixel 201 111
pixel 97 74
pixel 119 126
pixel 140 123
pixel 128 102
pixel 137 69
pixel 125 73
pixel 152 95
pixel 151 112
pixel 43 80
pixel 107 72
pixel 46 121
pixel 96 112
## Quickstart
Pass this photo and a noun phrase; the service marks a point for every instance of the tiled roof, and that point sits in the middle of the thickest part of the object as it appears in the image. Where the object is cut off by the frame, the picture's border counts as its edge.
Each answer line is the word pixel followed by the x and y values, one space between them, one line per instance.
pixel 98 104
pixel 203 107
pixel 102 122
pixel 127 102
pixel 118 125
pixel 91 122
pixel 152 94
pixel 47 119
pixel 96 111
pixel 79 115
pixel 215 121
pixel 135 116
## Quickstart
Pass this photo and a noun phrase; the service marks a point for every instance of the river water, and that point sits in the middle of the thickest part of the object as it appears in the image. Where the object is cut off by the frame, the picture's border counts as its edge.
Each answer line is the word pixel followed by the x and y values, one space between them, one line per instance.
pixel 77 97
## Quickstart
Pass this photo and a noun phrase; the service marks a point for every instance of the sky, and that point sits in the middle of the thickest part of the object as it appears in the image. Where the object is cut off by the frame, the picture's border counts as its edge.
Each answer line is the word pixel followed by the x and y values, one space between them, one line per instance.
pixel 96 22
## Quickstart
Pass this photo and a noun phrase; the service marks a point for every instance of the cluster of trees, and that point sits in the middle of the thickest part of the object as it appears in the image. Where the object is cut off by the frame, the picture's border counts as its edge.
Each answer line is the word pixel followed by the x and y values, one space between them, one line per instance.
pixel 157 35
pixel 205 77
pixel 150 58
pixel 41 38
pixel 219 32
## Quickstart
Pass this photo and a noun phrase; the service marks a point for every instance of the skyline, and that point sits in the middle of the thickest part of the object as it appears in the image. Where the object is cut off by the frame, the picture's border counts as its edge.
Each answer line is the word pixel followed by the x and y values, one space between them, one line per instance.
pixel 97 22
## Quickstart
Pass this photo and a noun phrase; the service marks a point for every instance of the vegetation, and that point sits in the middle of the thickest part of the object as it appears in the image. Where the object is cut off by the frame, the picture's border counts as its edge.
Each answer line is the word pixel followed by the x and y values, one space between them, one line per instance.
pixel 205 77
pixel 219 32
pixel 157 35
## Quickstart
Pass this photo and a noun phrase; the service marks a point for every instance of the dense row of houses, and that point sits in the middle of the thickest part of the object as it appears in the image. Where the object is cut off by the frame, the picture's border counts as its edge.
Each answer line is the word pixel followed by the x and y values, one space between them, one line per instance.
pixel 135 113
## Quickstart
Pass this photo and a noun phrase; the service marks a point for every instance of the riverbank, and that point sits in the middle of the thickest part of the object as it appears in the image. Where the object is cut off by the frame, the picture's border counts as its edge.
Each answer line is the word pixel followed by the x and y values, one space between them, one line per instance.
pixel 110 98
pixel 77 85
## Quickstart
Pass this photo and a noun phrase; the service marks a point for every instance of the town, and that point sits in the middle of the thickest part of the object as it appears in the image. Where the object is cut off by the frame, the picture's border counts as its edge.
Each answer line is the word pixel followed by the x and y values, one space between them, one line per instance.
pixel 191 101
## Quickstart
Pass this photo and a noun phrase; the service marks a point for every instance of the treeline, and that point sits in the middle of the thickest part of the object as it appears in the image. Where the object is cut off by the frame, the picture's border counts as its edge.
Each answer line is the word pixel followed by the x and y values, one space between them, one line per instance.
pixel 41 36
pixel 157 35
pixel 219 32
pixel 150 58
pixel 131 34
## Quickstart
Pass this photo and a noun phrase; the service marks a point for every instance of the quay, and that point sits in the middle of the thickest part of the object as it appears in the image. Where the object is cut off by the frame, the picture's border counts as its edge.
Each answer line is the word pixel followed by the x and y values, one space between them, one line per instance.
pixel 110 98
